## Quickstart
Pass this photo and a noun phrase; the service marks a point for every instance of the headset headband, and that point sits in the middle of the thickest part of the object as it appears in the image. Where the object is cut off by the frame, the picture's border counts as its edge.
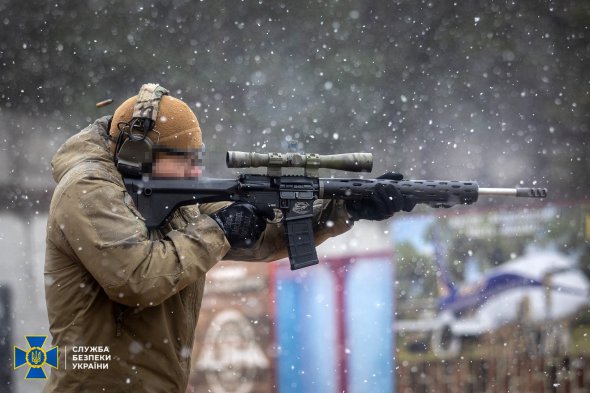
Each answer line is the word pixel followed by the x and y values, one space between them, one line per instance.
pixel 148 102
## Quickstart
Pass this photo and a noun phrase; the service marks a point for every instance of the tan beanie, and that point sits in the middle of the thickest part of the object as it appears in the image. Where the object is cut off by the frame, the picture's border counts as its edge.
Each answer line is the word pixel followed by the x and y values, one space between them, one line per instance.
pixel 177 125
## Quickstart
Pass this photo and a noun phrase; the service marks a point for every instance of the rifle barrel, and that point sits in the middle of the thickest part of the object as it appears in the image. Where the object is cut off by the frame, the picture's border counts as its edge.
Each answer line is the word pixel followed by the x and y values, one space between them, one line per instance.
pixel 517 192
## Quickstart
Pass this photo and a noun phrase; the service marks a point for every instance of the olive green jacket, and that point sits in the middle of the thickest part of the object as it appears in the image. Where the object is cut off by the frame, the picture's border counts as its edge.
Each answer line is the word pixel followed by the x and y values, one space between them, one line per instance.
pixel 112 285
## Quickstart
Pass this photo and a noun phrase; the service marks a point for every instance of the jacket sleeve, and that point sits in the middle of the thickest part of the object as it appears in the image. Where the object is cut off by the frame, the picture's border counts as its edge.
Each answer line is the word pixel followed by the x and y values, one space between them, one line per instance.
pixel 330 219
pixel 109 238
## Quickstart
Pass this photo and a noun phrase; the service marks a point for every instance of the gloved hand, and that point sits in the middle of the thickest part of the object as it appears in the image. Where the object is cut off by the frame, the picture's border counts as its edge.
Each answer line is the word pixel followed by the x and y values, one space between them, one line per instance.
pixel 242 223
pixel 384 201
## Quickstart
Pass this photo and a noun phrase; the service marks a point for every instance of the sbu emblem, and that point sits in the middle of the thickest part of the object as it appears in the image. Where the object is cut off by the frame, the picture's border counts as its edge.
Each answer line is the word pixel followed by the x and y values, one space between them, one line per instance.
pixel 35 357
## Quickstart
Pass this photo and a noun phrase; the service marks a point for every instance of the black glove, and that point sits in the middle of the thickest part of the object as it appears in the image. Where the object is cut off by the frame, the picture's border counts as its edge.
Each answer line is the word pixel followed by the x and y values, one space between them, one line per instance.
pixel 242 223
pixel 384 201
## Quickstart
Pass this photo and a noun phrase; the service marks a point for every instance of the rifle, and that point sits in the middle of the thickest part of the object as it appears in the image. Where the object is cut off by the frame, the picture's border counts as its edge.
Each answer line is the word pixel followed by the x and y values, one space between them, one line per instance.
pixel 293 195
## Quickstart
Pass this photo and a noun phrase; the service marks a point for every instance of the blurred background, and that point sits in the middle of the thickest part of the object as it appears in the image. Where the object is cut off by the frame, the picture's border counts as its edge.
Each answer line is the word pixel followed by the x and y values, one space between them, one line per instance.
pixel 498 93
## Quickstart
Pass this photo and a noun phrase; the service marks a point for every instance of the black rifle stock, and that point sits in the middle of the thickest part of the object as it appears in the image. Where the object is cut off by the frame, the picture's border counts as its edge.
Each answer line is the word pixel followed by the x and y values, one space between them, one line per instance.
pixel 293 195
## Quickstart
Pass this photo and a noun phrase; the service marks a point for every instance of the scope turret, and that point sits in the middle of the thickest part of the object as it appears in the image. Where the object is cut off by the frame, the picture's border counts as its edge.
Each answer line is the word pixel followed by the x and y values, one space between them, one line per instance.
pixel 352 162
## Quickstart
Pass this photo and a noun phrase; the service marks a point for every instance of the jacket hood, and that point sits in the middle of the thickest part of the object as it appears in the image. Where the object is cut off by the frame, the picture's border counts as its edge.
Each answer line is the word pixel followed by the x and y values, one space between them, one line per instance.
pixel 90 144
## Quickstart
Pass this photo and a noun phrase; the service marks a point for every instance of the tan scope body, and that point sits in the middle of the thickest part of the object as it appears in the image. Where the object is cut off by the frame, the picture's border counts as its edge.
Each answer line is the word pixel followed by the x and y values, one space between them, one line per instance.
pixel 352 162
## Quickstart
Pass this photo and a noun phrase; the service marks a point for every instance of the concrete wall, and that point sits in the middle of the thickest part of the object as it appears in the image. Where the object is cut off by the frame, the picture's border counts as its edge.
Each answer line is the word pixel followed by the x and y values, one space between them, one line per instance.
pixel 22 248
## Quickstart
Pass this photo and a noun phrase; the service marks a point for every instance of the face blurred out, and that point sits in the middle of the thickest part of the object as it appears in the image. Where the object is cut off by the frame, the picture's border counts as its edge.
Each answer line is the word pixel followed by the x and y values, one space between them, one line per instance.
pixel 176 166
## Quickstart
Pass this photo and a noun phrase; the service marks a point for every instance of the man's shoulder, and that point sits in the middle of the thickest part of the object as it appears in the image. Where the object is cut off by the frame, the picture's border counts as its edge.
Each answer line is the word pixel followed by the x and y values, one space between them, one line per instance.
pixel 88 177
pixel 92 170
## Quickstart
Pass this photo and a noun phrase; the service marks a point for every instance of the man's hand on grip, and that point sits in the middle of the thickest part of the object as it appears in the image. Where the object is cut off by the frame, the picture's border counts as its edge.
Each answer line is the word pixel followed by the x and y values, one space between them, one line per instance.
pixel 242 223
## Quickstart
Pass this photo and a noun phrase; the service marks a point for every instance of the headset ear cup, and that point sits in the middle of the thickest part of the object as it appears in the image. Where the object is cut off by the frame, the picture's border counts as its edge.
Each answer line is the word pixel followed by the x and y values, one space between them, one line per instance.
pixel 133 149
pixel 135 157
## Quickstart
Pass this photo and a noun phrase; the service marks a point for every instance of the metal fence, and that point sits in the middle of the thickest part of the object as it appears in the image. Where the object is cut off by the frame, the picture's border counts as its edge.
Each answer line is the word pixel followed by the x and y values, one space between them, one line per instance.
pixel 523 373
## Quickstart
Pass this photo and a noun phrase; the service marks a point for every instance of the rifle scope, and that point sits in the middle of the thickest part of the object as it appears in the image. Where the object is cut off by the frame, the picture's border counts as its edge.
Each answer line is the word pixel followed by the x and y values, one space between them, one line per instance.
pixel 352 162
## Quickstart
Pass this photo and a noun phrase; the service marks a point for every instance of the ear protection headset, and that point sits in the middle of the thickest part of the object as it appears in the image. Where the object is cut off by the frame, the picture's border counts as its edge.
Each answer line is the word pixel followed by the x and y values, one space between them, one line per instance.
pixel 134 149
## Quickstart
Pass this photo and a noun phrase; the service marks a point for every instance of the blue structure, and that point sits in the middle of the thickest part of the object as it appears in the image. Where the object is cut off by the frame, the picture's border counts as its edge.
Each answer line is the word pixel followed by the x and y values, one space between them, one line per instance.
pixel 334 327
pixel 369 323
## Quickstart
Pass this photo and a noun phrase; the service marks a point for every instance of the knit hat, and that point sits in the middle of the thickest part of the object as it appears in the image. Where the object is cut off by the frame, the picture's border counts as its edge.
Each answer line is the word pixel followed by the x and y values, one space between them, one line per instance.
pixel 176 126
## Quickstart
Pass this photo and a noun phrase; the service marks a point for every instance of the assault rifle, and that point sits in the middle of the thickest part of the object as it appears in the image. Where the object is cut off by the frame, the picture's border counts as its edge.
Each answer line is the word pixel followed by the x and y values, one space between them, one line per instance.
pixel 293 195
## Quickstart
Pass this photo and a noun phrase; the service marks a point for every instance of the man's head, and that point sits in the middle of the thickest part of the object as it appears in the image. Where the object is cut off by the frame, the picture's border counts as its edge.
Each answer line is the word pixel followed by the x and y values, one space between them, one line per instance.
pixel 175 131
pixel 177 165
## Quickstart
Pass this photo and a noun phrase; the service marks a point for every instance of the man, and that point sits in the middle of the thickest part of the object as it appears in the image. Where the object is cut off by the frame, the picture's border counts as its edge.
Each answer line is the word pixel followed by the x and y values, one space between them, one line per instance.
pixel 134 294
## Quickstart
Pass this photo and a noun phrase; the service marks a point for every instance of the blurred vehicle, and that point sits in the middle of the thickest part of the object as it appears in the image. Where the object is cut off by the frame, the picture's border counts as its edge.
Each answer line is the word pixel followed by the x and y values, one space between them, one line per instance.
pixel 537 290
